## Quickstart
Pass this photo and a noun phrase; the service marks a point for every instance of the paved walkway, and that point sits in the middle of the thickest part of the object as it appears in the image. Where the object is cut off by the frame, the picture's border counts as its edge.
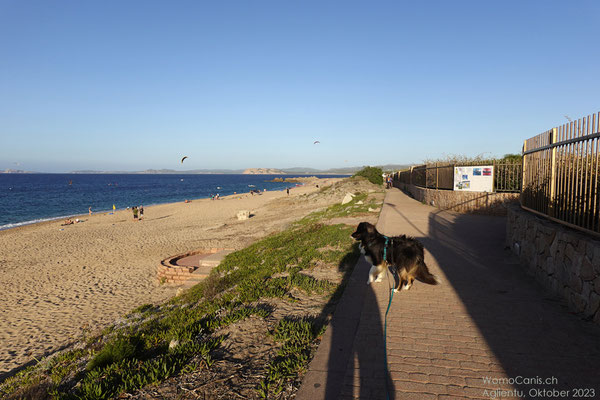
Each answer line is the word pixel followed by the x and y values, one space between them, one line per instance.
pixel 489 331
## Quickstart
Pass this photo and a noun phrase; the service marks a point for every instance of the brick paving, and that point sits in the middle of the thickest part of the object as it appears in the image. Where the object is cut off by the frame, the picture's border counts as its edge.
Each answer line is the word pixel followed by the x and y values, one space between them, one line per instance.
pixel 488 331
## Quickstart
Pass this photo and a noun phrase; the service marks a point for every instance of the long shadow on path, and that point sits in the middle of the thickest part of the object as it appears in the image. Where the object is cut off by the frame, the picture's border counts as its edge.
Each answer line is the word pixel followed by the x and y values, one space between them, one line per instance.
pixel 350 362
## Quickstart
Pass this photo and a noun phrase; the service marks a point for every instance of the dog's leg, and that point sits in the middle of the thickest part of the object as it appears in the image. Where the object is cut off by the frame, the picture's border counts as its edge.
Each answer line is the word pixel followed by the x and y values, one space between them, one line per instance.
pixel 402 281
pixel 379 272
pixel 372 273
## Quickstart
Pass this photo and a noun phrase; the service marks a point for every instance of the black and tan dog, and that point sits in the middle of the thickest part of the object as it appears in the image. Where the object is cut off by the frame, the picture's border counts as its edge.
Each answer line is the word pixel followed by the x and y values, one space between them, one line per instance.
pixel 404 254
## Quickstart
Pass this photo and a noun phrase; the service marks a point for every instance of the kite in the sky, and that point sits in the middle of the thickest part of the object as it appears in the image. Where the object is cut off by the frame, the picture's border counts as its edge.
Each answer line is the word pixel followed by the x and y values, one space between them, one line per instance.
pixel 316 141
pixel 183 159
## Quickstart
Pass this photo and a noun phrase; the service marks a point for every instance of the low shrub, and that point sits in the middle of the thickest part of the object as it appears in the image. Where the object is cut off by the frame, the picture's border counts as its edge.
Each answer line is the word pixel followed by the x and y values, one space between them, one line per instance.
pixel 373 174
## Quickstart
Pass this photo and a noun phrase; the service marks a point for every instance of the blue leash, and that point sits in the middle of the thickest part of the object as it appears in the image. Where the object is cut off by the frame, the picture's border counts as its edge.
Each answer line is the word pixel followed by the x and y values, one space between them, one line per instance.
pixel 387 389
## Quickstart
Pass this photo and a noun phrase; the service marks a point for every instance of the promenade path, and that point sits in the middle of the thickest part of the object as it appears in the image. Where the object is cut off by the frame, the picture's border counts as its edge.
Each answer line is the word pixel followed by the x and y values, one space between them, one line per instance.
pixel 488 331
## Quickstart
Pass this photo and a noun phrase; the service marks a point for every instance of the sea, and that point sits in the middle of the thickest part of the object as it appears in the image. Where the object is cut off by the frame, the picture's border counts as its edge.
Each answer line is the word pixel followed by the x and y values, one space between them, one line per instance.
pixel 32 198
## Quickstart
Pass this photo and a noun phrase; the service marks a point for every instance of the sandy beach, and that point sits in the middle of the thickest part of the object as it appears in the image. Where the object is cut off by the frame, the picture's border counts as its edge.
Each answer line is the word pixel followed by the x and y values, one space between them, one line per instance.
pixel 60 281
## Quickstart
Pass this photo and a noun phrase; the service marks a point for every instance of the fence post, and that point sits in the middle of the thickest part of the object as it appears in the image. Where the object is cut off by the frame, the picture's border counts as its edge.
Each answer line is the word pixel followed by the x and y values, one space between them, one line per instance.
pixel 523 172
pixel 494 176
pixel 552 173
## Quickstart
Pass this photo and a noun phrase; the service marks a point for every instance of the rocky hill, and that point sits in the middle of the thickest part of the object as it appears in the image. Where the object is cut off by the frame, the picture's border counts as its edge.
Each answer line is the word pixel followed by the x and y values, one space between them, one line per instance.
pixel 264 171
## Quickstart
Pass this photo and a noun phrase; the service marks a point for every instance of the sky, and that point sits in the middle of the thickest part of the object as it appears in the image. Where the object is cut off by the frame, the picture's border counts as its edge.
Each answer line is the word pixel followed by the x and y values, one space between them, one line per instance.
pixel 135 85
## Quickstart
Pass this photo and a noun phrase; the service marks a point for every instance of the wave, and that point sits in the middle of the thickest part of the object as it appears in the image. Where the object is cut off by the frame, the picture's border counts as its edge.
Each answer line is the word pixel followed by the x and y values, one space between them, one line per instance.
pixel 35 221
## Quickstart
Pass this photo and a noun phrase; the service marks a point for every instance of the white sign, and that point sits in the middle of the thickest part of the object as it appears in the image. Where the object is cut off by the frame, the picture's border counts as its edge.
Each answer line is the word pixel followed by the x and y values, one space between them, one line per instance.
pixel 474 179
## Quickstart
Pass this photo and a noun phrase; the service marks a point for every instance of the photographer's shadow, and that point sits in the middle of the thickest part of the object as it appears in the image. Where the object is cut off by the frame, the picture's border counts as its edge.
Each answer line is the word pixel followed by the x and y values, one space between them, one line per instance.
pixel 356 364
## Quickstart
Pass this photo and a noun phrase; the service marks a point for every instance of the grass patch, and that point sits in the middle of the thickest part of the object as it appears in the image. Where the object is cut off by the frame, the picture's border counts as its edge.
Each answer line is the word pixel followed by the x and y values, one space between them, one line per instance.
pixel 297 336
pixel 354 207
pixel 121 348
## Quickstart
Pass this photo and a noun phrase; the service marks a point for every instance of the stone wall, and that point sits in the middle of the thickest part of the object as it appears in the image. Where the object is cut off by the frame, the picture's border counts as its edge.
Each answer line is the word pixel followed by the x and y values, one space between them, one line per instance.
pixel 463 202
pixel 564 260
pixel 169 272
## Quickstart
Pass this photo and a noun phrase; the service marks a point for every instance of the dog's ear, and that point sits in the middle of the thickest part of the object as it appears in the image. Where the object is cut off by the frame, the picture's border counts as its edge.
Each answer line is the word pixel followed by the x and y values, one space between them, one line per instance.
pixel 370 227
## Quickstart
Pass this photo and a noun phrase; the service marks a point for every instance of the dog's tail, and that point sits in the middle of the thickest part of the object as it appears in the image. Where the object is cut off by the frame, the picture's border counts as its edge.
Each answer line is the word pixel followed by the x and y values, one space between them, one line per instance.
pixel 424 275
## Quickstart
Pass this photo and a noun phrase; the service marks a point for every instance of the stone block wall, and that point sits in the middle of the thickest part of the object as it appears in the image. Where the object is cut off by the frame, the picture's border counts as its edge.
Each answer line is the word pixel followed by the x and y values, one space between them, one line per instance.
pixel 564 260
pixel 463 202
pixel 169 272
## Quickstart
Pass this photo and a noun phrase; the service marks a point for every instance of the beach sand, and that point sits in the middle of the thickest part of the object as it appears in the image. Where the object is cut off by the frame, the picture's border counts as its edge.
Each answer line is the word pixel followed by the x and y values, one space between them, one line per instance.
pixel 60 281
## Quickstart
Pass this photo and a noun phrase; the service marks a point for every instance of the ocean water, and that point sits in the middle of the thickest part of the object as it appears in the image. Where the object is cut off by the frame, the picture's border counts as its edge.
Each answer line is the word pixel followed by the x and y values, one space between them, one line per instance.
pixel 30 198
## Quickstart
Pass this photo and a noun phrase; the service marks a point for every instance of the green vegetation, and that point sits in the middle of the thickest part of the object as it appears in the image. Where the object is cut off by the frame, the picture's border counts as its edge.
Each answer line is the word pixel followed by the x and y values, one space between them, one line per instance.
pixel 373 174
pixel 343 210
pixel 297 336
pixel 511 158
pixel 458 159
pixel 180 336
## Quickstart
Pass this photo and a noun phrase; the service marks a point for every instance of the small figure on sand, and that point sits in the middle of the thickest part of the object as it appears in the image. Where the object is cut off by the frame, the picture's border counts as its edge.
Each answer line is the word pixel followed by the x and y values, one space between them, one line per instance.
pixel 288 191
pixel 135 213
pixel 141 212
pixel 90 210
pixel 114 208
pixel 69 221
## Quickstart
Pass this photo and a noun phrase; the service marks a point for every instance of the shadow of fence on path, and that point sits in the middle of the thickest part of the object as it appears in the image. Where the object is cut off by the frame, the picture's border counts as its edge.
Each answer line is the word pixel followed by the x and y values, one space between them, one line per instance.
pixel 530 332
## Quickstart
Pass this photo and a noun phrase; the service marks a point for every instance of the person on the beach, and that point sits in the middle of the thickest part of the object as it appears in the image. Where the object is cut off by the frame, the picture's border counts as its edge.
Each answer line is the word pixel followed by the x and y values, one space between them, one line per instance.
pixel 90 210
pixel 114 208
pixel 135 213
pixel 288 191
pixel 141 212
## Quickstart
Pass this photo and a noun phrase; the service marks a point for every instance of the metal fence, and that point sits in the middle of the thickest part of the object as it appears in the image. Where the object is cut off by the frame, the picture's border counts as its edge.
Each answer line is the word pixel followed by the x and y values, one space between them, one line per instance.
pixel 507 176
pixel 561 174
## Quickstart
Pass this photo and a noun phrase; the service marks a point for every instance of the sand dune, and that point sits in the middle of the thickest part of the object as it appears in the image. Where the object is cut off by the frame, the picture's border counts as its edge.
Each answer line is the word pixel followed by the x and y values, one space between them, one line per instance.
pixel 58 281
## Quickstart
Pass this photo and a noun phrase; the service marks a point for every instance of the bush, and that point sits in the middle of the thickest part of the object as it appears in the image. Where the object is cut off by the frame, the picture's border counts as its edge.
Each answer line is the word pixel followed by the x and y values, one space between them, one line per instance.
pixel 373 174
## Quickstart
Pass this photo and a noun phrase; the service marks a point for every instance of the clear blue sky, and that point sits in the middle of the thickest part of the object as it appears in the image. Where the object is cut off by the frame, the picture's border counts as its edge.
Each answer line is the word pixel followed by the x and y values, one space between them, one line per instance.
pixel 131 85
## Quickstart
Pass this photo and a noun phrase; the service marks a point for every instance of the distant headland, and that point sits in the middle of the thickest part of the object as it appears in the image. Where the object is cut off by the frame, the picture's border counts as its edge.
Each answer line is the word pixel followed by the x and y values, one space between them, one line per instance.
pixel 264 171
pixel 248 171
pixel 15 171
